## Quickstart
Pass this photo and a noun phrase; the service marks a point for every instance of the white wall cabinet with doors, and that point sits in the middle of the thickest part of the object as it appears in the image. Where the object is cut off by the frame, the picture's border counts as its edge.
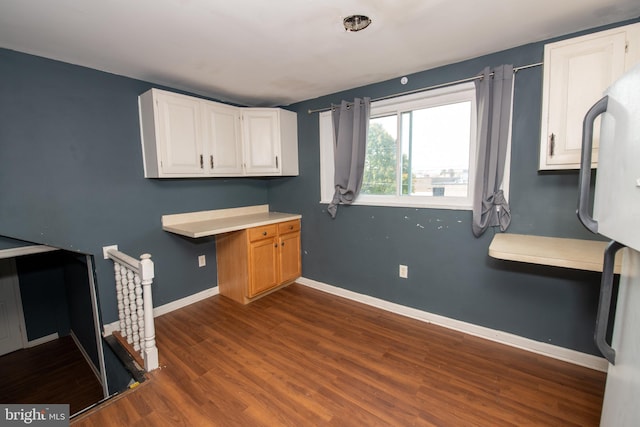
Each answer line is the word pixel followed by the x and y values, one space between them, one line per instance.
pixel 186 137
pixel 270 137
pixel 576 73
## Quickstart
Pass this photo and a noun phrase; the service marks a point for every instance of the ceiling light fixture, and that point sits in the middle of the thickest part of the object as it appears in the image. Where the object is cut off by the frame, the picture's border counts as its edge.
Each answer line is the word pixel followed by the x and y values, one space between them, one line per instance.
pixel 355 23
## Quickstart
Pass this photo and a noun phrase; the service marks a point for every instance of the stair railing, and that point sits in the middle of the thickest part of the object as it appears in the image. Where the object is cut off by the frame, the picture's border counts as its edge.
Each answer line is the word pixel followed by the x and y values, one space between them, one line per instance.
pixel 135 303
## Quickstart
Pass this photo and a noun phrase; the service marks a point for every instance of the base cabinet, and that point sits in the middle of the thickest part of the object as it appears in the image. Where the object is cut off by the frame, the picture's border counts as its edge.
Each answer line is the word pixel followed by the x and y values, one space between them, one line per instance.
pixel 258 260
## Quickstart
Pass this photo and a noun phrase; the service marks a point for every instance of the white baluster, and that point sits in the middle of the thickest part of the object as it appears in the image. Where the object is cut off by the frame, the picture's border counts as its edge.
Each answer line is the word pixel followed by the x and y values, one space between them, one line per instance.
pixel 127 306
pixel 119 296
pixel 135 336
pixel 140 315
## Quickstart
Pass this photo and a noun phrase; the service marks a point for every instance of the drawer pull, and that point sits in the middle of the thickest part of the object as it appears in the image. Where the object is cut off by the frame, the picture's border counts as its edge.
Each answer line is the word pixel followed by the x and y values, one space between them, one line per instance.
pixel 264 233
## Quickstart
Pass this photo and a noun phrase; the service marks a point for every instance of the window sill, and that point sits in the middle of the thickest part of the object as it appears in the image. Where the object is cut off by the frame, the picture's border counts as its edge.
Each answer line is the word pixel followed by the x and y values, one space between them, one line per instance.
pixel 404 204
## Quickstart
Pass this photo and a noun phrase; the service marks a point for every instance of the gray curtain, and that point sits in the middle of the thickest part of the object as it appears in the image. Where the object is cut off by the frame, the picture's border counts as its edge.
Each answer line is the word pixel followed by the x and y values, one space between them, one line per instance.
pixel 350 125
pixel 493 96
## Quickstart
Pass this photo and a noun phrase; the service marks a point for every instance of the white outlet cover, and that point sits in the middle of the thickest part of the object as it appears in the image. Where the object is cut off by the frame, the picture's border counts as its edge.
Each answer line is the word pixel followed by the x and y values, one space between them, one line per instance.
pixel 403 271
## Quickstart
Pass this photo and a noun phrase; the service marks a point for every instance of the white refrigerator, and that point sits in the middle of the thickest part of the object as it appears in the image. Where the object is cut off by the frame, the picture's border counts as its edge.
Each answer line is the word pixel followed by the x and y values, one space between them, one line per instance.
pixel 616 215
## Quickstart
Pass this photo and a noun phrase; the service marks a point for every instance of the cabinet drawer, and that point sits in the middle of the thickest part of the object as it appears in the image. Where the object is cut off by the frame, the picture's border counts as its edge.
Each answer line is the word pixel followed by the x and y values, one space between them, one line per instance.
pixel 289 226
pixel 264 232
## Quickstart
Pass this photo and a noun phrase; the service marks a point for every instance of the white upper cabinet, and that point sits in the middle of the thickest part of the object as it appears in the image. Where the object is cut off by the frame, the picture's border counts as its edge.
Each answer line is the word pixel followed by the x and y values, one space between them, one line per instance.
pixel 270 141
pixel 184 136
pixel 172 135
pixel 222 130
pixel 577 71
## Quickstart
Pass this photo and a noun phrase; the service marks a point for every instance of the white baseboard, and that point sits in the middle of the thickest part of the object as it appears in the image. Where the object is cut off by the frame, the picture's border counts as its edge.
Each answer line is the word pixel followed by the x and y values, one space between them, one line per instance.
pixel 86 357
pixel 549 350
pixel 183 302
pixel 110 328
pixel 42 340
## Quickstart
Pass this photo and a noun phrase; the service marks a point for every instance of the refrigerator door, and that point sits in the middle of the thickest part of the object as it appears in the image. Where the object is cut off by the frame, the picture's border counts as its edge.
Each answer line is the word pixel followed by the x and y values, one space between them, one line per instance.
pixel 616 206
pixel 622 394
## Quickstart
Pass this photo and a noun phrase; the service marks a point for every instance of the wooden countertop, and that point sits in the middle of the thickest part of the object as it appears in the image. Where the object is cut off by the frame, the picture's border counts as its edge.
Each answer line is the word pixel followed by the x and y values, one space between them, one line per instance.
pixel 210 223
pixel 555 251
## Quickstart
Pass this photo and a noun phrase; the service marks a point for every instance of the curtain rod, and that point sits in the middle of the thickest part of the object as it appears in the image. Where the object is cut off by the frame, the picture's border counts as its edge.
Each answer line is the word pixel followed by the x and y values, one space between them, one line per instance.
pixel 438 86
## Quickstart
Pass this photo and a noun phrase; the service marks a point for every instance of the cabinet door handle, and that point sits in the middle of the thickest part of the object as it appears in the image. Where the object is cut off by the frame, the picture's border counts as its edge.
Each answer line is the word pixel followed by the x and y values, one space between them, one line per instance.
pixel 282 244
pixel 211 161
pixel 201 161
pixel 552 144
pixel 276 162
pixel 275 245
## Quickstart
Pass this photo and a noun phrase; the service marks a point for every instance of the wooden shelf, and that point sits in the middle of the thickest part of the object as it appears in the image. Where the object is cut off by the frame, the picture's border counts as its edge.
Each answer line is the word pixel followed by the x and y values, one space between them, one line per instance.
pixel 555 251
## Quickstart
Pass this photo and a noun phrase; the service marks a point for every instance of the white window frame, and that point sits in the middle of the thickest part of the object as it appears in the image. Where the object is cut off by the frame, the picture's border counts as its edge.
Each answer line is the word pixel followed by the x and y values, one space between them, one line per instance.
pixel 397 105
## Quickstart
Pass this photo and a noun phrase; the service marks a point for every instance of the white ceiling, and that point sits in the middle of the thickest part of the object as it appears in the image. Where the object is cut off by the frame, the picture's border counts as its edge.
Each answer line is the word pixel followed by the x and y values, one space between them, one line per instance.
pixel 276 52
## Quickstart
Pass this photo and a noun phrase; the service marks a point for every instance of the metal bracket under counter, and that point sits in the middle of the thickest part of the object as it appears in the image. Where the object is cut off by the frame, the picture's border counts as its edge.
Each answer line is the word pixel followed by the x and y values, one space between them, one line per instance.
pixel 210 223
pixel 554 251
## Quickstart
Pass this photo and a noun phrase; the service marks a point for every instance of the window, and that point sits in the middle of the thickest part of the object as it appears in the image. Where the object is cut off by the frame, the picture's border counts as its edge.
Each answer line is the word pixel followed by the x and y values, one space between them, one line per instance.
pixel 421 150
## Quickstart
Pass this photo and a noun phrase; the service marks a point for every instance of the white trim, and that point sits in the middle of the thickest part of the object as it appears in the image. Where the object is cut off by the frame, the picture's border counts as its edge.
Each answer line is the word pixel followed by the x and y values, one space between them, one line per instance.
pixel 102 374
pixel 42 340
pixel 86 357
pixel 183 302
pixel 25 250
pixel 18 294
pixel 549 350
pixel 110 328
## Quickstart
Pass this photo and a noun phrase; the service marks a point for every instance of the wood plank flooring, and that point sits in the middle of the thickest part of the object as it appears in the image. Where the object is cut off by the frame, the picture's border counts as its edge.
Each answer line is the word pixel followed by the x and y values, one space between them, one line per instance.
pixel 300 357
pixel 54 372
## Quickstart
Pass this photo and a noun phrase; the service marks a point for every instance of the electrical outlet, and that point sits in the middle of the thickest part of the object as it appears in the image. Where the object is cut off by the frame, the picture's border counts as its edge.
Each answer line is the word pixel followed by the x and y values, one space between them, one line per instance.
pixel 202 261
pixel 403 271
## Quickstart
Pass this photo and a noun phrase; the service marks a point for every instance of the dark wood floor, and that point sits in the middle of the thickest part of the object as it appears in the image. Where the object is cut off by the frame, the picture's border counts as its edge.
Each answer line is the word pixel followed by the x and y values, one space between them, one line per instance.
pixel 300 357
pixel 54 372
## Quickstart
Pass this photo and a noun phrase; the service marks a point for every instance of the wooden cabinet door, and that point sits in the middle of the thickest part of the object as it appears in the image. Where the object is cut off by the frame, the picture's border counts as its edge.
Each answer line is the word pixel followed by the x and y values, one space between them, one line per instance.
pixel 290 263
pixel 180 135
pixel 263 267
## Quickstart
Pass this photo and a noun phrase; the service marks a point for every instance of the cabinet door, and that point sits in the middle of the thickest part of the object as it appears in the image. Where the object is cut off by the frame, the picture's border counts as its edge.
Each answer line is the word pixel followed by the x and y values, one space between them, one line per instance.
pixel 576 73
pixel 179 135
pixel 263 268
pixel 222 136
pixel 290 264
pixel 261 138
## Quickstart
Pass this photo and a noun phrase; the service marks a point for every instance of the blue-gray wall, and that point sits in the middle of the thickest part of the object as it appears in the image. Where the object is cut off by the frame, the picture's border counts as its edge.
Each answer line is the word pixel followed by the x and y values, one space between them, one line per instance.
pixel 80 306
pixel 71 176
pixel 43 294
pixel 450 272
